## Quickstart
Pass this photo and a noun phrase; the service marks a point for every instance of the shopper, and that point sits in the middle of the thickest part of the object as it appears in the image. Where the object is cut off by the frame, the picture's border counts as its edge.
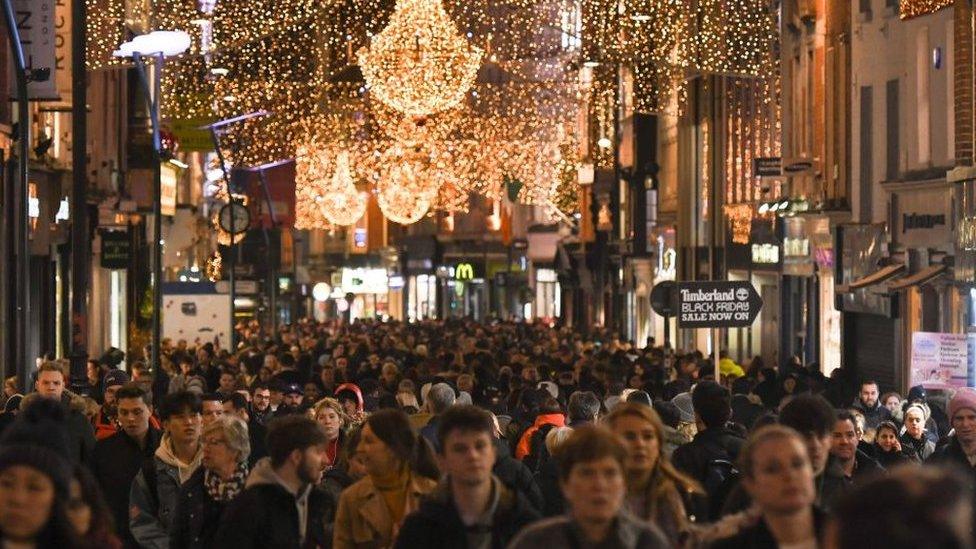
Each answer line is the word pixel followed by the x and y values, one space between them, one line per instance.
pixel 81 435
pixel 106 420
pixel 88 512
pixel 856 465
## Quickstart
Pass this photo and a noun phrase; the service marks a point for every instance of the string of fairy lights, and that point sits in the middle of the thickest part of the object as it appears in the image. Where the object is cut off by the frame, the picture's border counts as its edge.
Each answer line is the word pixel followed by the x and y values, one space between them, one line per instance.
pixel 423 102
pixel 909 9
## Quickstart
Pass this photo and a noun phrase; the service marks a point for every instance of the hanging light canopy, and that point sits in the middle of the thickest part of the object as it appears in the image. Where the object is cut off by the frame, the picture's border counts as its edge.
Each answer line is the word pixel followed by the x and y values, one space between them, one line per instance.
pixel 420 64
pixel 404 193
pixel 341 203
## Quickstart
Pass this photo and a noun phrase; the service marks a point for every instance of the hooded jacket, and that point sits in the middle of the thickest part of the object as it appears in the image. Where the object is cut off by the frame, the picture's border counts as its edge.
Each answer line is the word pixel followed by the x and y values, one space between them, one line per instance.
pixel 269 514
pixel 154 492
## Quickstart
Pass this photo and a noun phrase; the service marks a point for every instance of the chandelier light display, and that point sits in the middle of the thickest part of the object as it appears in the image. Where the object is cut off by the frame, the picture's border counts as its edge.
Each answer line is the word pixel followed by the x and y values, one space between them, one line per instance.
pixel 420 64
pixel 341 203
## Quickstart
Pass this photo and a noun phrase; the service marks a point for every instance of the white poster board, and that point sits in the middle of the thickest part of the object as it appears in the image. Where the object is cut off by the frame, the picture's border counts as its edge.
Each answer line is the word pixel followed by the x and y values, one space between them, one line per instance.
pixel 940 361
pixel 197 318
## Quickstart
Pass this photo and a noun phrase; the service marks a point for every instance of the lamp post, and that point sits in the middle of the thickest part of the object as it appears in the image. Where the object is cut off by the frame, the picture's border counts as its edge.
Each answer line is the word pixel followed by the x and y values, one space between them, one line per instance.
pixel 157 45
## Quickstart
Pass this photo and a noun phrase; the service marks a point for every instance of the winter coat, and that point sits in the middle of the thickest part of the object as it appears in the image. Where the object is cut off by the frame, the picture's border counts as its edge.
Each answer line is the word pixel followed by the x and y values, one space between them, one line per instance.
pixel 890 459
pixel 193 382
pixel 524 444
pixel 563 533
pixel 437 524
pixel 708 445
pixel 872 416
pixel 266 515
pixel 151 510
pixel 115 463
pixel 516 476
pixel 758 536
pixel 865 468
pixel 547 479
pixel 363 520
pixel 917 450
pixel 81 434
pixel 196 516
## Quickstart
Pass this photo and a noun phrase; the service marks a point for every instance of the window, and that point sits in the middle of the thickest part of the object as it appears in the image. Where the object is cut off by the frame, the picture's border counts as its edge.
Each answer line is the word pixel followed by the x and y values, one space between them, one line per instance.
pixel 866 182
pixel 893 150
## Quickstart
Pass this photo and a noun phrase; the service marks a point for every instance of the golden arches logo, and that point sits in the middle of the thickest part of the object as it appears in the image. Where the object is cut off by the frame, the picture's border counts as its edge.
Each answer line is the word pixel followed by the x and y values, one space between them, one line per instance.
pixel 464 271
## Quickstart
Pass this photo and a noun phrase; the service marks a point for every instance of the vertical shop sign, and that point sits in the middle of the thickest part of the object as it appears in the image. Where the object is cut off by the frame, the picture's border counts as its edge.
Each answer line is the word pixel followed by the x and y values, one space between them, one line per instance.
pixel 36 25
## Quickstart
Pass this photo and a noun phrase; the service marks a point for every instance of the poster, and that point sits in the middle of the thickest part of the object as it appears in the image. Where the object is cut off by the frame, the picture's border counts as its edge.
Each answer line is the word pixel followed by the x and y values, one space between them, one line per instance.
pixel 940 361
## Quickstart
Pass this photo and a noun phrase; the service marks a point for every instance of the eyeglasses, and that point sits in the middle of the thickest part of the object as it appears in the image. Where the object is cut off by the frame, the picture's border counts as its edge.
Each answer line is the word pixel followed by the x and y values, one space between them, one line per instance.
pixel 215 442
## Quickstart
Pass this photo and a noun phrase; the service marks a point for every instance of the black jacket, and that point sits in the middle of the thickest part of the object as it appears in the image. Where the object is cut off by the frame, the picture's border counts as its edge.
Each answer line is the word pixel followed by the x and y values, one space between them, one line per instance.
pixel 115 463
pixel 708 445
pixel 872 416
pixel 759 536
pixel 257 433
pixel 865 468
pixel 264 516
pixel 437 524
pixel 515 475
pixel 547 478
pixel 196 517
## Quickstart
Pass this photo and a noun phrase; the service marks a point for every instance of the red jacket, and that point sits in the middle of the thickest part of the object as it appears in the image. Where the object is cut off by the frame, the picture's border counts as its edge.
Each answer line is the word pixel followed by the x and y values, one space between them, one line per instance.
pixel 525 443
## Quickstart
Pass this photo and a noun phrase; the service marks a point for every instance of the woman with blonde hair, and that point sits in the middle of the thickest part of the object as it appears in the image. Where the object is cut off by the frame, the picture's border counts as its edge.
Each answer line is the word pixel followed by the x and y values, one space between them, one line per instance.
pixel 329 414
pixel 657 492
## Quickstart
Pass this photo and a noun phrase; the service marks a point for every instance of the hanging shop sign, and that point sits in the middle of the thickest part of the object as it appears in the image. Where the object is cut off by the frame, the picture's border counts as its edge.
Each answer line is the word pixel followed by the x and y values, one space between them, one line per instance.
pixel 717 304
pixel 941 361
pixel 921 217
pixel 662 298
pixel 116 248
pixel 797 258
pixel 36 24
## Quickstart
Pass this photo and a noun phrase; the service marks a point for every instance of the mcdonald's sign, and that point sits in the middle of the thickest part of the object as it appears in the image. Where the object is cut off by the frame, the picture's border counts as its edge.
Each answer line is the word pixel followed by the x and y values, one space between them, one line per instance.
pixel 464 271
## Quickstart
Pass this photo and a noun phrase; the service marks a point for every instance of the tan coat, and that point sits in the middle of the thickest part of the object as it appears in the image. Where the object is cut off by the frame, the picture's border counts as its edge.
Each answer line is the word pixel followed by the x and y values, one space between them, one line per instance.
pixel 363 520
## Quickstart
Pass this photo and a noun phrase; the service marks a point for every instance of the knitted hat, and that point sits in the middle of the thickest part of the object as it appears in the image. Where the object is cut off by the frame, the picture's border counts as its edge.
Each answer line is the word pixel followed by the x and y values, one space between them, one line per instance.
pixel 685 407
pixel 38 439
pixel 115 377
pixel 964 398
pixel 922 409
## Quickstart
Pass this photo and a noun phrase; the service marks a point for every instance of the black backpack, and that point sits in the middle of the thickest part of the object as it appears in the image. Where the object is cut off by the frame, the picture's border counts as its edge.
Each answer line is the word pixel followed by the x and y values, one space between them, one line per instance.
pixel 721 476
pixel 538 453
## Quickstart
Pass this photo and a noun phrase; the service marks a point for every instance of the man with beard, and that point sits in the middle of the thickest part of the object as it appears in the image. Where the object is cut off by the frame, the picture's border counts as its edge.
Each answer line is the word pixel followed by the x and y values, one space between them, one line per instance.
pixel 280 507
pixel 105 420
pixel 261 411
pixel 868 403
pixel 291 401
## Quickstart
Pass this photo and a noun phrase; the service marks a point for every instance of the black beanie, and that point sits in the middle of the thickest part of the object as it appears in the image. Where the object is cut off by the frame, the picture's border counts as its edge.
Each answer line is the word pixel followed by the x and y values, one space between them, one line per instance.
pixel 38 439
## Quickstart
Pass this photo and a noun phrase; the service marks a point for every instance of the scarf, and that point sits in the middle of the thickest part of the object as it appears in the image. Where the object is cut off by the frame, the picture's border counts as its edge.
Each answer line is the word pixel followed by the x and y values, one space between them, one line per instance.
pixel 225 490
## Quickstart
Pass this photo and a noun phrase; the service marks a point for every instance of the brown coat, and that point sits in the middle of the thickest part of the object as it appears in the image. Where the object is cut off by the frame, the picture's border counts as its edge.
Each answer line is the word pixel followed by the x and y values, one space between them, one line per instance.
pixel 363 520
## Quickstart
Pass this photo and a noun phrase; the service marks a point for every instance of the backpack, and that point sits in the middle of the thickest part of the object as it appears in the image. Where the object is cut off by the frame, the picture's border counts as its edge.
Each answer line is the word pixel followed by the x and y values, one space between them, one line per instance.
pixel 721 476
pixel 538 453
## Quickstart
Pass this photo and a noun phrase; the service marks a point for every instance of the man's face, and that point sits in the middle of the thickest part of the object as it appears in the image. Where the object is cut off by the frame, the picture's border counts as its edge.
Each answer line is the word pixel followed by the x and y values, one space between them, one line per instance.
pixel 818 447
pixel 184 427
pixel 212 409
pixel 595 490
pixel 133 417
pixel 292 400
pixel 261 399
pixel 869 395
pixel 227 383
pixel 468 457
pixel 964 422
pixel 109 396
pixel 239 412
pixel 844 440
pixel 311 464
pixel 50 385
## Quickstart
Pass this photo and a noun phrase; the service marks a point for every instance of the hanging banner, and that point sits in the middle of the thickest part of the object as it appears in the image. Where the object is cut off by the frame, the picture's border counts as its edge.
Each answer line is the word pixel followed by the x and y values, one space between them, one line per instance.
pixel 717 304
pixel 940 361
pixel 36 25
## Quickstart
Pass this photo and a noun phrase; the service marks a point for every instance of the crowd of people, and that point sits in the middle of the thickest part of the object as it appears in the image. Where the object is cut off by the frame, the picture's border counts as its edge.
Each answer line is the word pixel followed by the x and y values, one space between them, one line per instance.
pixel 460 434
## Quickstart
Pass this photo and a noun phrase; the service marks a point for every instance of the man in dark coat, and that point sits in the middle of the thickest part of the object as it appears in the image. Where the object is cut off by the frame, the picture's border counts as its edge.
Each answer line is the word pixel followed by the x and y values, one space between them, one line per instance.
pixel 50 384
pixel 237 405
pixel 280 506
pixel 118 458
pixel 868 403
pixel 516 475
pixel 471 507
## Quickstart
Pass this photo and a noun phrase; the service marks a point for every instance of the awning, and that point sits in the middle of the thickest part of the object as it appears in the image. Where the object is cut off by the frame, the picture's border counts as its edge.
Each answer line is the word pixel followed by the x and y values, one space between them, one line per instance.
pixel 877 277
pixel 918 278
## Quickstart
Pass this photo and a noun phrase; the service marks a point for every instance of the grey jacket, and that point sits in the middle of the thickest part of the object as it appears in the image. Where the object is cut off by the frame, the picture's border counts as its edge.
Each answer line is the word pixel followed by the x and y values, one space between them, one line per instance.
pixel 563 533
pixel 152 501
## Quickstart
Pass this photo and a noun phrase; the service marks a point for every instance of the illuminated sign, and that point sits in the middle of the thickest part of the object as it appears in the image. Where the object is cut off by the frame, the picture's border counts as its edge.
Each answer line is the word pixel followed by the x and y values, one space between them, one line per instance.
pixel 765 253
pixel 796 247
pixel 168 177
pixel 464 271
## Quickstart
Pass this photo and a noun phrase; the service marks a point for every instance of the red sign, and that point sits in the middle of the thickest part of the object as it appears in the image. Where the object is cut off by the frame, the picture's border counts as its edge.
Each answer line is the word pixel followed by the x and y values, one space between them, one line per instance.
pixel 281 188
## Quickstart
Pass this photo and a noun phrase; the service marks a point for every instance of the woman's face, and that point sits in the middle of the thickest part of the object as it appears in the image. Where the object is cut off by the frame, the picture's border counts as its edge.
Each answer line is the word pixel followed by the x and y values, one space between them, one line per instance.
pixel 331 421
pixel 26 500
pixel 643 446
pixel 78 510
pixel 887 440
pixel 350 407
pixel 782 478
pixel 892 404
pixel 789 384
pixel 376 455
pixel 312 393
pixel 217 455
pixel 914 423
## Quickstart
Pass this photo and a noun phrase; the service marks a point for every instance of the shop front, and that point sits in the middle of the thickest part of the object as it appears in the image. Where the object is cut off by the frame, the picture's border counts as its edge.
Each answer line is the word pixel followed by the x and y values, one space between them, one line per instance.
pixel 368 288
pixel 760 262
pixel 418 259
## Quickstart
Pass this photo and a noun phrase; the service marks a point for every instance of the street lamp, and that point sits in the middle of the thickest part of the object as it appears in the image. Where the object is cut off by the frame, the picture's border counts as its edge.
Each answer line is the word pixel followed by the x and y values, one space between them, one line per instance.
pixel 157 45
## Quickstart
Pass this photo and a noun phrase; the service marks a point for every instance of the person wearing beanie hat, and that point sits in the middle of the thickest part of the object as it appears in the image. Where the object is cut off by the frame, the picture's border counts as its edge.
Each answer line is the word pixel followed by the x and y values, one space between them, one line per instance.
pixel 914 439
pixel 105 421
pixel 35 477
pixel 961 448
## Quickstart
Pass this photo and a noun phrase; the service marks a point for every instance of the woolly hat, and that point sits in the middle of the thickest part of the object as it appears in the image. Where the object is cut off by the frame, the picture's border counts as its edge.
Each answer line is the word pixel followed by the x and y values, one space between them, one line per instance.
pixel 114 377
pixel 964 398
pixel 923 409
pixel 38 439
pixel 685 407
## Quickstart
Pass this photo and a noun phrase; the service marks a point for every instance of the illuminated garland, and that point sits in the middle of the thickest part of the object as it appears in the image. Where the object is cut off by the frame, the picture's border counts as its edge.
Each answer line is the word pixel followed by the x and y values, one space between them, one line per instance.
pixel 908 9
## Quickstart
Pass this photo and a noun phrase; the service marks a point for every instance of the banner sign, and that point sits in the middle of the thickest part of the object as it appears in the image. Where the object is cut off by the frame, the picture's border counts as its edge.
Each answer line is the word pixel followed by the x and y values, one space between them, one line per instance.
pixel 939 360
pixel 36 24
pixel 115 249
pixel 717 304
